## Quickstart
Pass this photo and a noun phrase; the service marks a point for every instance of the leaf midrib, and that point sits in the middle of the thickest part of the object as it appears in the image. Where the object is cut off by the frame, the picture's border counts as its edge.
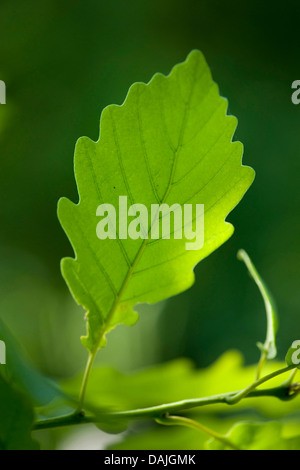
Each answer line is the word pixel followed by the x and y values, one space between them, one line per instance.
pixel 145 242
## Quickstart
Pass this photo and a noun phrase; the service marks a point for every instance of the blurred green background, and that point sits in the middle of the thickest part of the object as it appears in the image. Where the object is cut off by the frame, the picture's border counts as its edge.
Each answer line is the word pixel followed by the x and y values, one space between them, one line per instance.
pixel 63 62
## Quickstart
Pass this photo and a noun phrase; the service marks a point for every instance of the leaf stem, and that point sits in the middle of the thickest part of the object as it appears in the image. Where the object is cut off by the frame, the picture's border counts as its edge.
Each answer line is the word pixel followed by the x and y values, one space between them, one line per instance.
pixel 261 364
pixel 87 372
pixel 127 278
pixel 156 412
pixel 291 378
pixel 190 423
pixel 244 393
pixel 268 349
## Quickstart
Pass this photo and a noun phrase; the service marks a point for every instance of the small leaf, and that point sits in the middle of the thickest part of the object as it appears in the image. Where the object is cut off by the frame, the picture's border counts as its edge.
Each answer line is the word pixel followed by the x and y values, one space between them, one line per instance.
pixel 257 436
pixel 293 355
pixel 16 420
pixel 170 142
pixel 269 346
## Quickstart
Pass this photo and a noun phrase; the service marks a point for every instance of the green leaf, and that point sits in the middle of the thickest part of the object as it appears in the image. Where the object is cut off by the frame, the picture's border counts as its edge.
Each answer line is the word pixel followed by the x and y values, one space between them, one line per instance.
pixel 170 142
pixel 16 420
pixel 269 347
pixel 293 355
pixel 257 436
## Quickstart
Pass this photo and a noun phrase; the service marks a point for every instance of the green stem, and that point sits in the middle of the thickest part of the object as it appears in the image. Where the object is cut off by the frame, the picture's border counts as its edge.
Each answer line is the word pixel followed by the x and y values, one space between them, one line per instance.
pixel 269 348
pixel 282 393
pixel 117 299
pixel 87 372
pixel 291 378
pixel 62 421
pixel 190 423
pixel 261 364
pixel 244 393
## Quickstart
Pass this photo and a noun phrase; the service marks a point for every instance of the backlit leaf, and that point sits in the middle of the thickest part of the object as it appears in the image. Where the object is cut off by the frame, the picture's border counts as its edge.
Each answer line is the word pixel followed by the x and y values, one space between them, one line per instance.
pixel 170 142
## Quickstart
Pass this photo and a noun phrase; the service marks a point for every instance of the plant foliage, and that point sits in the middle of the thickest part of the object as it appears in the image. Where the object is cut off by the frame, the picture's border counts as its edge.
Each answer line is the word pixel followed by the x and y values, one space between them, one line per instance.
pixel 170 142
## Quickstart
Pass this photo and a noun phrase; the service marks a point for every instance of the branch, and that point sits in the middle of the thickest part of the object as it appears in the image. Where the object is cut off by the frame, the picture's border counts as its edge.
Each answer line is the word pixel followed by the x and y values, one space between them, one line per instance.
pixel 244 393
pixel 284 392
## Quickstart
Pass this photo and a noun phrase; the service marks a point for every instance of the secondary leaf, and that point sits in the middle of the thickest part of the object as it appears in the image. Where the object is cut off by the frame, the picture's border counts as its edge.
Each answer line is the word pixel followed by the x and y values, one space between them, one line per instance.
pixel 16 420
pixel 170 142
pixel 269 346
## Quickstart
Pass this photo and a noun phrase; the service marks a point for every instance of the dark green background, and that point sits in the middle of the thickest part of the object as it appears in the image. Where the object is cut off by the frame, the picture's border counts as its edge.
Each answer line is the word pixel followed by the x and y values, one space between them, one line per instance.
pixel 62 62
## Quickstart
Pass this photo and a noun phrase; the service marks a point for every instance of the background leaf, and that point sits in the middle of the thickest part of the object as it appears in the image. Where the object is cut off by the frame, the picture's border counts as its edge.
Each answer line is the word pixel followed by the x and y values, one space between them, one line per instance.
pixel 170 142
pixel 19 370
pixel 257 436
pixel 179 380
pixel 16 420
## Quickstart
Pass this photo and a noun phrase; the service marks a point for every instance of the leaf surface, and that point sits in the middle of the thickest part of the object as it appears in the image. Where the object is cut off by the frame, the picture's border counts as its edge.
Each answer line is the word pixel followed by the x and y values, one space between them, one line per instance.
pixel 170 142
